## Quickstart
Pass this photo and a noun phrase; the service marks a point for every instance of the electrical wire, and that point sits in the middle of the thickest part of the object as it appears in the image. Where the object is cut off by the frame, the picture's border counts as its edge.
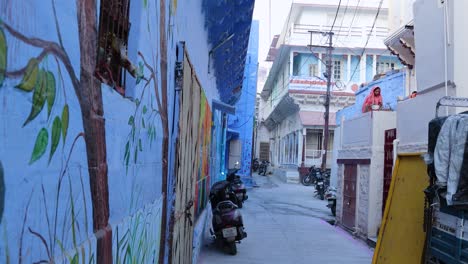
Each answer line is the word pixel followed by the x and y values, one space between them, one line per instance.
pixel 367 41
pixel 336 15
pixel 354 16
pixel 342 20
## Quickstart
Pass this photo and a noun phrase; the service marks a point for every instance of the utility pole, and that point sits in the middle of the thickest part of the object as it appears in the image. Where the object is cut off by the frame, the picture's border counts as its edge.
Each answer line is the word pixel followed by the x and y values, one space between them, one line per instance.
pixel 328 63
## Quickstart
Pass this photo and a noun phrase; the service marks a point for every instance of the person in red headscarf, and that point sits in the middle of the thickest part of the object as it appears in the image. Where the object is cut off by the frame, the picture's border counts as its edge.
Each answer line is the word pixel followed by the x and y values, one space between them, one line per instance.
pixel 373 101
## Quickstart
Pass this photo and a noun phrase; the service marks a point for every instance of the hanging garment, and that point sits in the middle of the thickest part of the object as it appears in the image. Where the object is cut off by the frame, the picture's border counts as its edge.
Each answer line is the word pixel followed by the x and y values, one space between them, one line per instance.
pixel 449 154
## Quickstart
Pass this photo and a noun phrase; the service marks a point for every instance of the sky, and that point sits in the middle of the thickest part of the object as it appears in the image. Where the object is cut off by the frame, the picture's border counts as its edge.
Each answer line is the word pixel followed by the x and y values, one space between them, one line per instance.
pixel 279 13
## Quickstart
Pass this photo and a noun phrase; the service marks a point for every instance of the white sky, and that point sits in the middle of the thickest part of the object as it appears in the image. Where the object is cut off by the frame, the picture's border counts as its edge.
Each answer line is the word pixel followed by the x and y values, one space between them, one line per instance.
pixel 279 13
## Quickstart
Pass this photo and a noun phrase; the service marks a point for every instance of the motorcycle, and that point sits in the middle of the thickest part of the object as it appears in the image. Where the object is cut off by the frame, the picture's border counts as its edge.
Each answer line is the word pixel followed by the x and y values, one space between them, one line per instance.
pixel 262 170
pixel 255 164
pixel 331 198
pixel 227 223
pixel 237 186
pixel 320 186
pixel 311 177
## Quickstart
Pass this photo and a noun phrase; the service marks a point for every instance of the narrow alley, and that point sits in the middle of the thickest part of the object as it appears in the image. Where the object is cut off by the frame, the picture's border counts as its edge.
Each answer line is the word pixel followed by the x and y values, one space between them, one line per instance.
pixel 286 224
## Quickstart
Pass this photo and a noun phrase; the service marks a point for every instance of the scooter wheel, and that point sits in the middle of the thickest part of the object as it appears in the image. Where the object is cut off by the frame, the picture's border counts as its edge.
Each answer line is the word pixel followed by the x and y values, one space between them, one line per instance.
pixel 232 248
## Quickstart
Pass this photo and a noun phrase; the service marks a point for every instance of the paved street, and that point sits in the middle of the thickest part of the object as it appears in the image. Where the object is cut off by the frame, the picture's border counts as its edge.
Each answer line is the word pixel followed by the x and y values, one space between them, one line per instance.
pixel 286 224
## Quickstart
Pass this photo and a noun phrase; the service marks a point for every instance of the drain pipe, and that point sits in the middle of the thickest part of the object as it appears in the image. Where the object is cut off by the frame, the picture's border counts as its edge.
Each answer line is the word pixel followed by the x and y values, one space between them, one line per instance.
pixel 396 142
pixel 446 43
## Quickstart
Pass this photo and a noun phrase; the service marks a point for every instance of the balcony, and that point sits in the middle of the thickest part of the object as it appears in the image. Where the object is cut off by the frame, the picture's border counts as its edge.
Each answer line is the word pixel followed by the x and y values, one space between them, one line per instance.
pixel 354 36
pixel 314 157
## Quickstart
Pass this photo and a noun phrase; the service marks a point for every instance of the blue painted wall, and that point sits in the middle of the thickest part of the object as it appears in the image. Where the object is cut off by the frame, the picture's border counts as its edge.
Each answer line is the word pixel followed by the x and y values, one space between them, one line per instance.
pixel 301 63
pixel 56 202
pixel 46 160
pixel 392 86
pixel 243 121
pixel 355 69
pixel 369 68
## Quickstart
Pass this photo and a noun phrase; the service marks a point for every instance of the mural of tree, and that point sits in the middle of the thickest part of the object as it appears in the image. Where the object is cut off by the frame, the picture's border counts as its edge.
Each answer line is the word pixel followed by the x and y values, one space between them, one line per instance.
pixel 42 84
pixel 88 92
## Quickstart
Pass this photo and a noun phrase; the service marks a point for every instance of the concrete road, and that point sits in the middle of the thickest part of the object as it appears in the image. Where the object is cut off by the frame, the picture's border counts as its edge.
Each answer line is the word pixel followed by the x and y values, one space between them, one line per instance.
pixel 286 224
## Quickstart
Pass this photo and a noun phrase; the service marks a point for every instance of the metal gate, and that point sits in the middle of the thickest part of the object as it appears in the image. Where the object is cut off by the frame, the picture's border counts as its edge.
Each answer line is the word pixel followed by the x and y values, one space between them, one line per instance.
pixel 349 195
pixel 390 135
pixel 186 166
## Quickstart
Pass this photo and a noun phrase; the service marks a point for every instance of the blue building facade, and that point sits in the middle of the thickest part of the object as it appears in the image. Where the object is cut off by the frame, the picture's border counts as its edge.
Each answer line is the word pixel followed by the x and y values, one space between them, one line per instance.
pixel 89 130
pixel 241 124
pixel 392 86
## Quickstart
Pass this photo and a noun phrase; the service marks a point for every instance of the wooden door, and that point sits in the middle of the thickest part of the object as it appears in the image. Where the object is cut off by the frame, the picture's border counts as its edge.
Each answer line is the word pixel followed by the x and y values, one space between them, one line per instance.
pixel 390 135
pixel 186 167
pixel 349 195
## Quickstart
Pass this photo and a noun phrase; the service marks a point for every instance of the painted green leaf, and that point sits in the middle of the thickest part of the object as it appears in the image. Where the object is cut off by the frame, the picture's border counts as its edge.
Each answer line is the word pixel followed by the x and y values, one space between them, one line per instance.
pixel 136 155
pixel 39 97
pixel 139 73
pixel 137 102
pixel 56 130
pixel 64 122
pixel 2 191
pixel 40 146
pixel 145 3
pixel 127 150
pixel 145 109
pixel 131 120
pixel 30 77
pixel 140 145
pixel 3 58
pixel 75 259
pixel 51 92
pixel 127 156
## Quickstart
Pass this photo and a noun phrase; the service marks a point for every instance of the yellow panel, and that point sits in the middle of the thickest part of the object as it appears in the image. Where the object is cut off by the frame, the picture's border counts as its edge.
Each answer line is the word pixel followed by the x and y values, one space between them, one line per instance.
pixel 401 237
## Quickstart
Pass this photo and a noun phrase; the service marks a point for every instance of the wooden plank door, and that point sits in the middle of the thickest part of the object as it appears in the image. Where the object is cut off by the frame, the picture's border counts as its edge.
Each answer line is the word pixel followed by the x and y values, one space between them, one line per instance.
pixel 390 135
pixel 186 167
pixel 349 195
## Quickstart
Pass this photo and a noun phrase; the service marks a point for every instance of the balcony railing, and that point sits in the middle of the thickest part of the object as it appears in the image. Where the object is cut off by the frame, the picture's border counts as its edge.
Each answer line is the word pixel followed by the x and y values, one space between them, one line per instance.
pixel 314 157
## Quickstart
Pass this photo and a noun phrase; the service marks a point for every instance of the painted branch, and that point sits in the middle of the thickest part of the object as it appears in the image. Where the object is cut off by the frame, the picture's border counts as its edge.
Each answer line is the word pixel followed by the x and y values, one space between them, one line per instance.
pixel 22 71
pixel 155 84
pixel 49 47
pixel 165 236
pixel 92 112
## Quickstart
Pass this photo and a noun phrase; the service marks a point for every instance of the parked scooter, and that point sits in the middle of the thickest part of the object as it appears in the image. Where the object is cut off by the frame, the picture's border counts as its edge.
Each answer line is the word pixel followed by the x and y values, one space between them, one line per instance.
pixel 238 186
pixel 228 226
pixel 331 198
pixel 262 170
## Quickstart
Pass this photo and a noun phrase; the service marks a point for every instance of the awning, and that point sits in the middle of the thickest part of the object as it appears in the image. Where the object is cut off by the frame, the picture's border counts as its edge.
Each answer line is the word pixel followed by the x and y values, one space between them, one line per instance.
pixel 232 134
pixel 401 44
pixel 314 118
pixel 286 107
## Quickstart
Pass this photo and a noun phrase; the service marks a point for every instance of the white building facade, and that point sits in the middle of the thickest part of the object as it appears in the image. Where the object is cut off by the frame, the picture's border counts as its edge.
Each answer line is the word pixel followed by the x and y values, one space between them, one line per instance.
pixel 291 106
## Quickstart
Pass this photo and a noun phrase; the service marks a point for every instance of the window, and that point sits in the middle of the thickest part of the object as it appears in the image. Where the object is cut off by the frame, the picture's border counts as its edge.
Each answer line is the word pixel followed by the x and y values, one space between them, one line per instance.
pixel 114 27
pixel 337 70
pixel 384 66
pixel 313 70
pixel 265 151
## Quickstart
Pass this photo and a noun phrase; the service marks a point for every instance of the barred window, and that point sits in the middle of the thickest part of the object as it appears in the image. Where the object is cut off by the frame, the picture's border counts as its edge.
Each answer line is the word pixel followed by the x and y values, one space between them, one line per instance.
pixel 114 27
pixel 337 70
pixel 313 70
pixel 385 66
